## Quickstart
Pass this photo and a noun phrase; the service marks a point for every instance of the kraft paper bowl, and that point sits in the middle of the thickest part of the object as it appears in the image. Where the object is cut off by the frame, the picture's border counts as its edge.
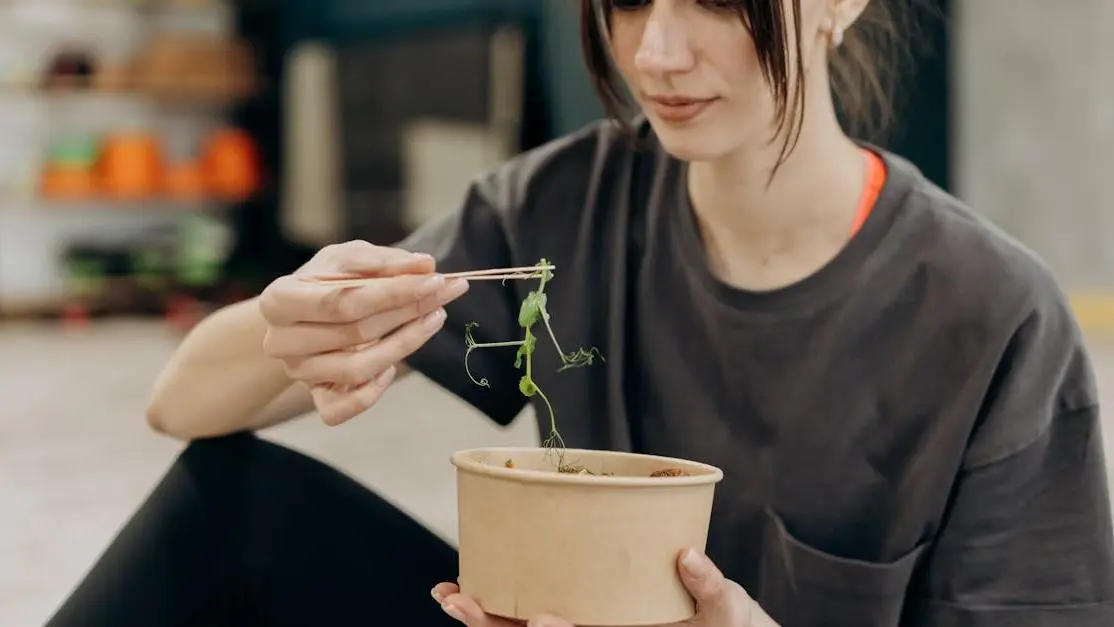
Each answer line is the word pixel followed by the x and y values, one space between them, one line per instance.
pixel 596 549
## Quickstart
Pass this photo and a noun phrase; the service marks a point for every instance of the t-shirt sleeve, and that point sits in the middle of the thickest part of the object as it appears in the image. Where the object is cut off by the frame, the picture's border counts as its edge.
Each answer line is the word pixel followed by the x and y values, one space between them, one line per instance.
pixel 477 235
pixel 1027 540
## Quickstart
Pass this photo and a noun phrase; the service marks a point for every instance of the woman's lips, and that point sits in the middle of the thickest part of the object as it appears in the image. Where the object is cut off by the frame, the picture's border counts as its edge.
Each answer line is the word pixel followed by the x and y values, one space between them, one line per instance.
pixel 676 110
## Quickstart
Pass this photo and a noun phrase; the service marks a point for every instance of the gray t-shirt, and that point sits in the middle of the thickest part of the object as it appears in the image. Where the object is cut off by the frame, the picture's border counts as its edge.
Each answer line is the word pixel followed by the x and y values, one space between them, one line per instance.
pixel 909 436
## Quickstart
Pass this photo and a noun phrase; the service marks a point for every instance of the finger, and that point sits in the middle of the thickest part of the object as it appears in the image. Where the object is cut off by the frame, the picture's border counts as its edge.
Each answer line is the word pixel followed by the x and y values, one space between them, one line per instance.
pixel 310 338
pixel 366 259
pixel 466 610
pixel 337 407
pixel 704 581
pixel 442 590
pixel 348 304
pixel 290 299
pixel 370 260
pixel 408 263
pixel 353 368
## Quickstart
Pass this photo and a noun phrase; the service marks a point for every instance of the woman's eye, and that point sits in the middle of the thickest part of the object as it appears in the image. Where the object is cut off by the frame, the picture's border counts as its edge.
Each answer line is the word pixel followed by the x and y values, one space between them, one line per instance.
pixel 629 5
pixel 721 5
pixel 717 5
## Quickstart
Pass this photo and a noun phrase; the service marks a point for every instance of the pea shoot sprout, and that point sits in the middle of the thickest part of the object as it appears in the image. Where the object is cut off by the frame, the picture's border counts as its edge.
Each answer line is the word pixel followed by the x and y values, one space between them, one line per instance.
pixel 532 311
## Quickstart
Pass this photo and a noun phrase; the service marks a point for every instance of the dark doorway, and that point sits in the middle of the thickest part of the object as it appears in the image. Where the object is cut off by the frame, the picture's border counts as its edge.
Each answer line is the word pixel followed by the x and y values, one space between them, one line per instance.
pixel 924 114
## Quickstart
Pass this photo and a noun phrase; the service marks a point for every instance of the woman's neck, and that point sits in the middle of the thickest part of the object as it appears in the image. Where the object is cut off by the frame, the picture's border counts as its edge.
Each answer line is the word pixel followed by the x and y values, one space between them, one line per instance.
pixel 764 234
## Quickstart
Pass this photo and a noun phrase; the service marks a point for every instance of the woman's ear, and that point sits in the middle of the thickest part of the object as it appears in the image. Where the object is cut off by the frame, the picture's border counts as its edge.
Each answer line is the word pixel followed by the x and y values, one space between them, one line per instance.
pixel 842 14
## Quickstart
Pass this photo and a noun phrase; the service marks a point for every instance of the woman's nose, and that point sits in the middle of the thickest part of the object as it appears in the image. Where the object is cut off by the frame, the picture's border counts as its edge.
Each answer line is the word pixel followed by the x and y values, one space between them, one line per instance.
pixel 665 46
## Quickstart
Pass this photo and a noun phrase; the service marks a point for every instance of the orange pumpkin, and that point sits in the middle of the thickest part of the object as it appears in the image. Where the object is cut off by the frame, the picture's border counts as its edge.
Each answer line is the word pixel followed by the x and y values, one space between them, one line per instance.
pixel 131 165
pixel 186 181
pixel 231 164
pixel 63 182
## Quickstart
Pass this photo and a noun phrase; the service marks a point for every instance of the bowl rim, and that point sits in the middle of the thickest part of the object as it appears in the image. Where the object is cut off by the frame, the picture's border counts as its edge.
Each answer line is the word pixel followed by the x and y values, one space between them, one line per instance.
pixel 463 462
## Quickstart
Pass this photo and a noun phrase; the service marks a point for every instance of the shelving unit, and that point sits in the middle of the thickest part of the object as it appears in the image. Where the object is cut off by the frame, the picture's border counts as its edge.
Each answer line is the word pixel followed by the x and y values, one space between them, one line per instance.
pixel 163 73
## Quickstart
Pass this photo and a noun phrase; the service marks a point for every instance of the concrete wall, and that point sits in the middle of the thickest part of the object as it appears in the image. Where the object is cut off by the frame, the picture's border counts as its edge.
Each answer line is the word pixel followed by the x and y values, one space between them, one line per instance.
pixel 1033 118
pixel 1035 127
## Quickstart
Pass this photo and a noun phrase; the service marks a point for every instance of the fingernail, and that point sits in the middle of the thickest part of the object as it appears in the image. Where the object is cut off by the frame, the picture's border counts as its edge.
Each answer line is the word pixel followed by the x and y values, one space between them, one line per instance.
pixel 382 377
pixel 436 595
pixel 434 319
pixel 421 256
pixel 432 284
pixel 453 611
pixel 693 563
pixel 452 289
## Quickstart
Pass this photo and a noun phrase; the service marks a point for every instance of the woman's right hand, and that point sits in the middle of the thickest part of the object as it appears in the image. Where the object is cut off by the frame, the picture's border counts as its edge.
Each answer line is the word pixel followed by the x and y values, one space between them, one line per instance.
pixel 347 343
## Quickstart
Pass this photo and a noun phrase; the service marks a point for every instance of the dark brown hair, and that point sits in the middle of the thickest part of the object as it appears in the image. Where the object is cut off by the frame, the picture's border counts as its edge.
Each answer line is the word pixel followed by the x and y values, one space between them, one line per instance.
pixel 864 69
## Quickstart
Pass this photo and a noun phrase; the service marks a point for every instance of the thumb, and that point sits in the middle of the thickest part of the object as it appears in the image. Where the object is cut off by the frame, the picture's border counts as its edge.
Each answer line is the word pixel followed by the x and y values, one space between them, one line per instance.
pixel 719 601
pixel 705 582
pixel 382 261
pixel 360 258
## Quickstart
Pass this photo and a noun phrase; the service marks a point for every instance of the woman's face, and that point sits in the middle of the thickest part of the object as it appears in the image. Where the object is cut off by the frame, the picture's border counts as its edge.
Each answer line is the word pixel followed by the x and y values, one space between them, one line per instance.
pixel 692 67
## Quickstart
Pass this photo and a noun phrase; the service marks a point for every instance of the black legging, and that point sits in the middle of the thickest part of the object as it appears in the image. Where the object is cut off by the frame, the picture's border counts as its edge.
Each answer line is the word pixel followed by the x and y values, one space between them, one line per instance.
pixel 244 532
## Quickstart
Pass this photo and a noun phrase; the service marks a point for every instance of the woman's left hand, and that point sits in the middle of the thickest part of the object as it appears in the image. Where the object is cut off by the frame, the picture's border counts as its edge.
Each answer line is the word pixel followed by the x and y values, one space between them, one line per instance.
pixel 720 602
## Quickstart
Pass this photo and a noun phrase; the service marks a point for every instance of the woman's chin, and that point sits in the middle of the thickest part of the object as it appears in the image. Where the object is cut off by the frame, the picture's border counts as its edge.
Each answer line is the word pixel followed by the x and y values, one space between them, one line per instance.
pixel 703 138
pixel 694 144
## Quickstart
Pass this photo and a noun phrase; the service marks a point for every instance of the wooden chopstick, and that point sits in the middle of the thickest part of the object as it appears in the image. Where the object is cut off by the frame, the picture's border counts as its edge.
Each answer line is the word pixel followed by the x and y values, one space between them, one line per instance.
pixel 492 274
pixel 498 277
pixel 500 271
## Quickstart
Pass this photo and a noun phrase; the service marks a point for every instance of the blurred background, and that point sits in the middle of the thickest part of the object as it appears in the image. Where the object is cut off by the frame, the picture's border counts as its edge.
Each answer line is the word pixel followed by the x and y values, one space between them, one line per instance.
pixel 161 158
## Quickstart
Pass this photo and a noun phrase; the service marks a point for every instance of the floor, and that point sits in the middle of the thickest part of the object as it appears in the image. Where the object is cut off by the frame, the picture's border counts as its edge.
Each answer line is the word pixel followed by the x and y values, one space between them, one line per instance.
pixel 76 456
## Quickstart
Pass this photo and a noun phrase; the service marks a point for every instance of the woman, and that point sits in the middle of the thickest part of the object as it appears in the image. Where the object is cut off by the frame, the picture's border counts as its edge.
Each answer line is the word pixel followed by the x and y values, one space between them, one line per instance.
pixel 896 391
